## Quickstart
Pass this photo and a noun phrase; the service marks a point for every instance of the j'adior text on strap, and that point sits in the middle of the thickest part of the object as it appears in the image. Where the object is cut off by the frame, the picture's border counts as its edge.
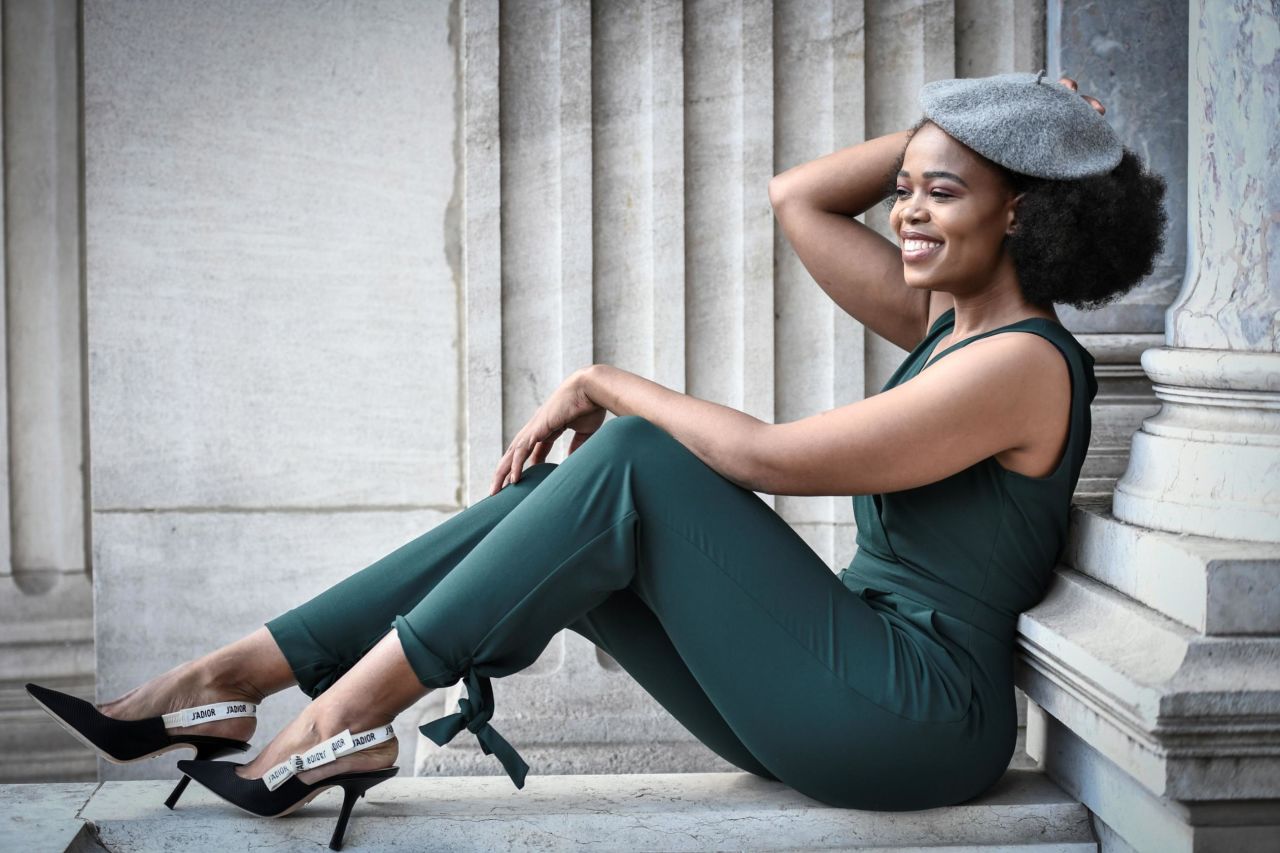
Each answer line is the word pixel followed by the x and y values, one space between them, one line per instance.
pixel 209 713
pixel 330 750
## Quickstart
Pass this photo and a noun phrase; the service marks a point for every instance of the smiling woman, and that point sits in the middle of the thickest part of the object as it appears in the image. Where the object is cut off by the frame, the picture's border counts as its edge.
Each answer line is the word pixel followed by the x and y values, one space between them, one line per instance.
pixel 649 541
pixel 1082 242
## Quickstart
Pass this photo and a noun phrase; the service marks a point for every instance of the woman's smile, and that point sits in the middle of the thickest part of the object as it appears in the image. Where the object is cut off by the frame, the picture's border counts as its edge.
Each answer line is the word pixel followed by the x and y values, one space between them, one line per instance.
pixel 917 251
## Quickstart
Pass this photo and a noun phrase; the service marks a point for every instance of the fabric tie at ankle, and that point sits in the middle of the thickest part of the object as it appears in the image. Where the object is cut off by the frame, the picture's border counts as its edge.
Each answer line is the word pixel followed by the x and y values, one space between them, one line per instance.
pixel 473 714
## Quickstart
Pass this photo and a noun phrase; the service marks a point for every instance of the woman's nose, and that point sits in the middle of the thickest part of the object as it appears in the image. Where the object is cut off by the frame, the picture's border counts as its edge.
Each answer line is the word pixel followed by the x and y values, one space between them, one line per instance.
pixel 912 213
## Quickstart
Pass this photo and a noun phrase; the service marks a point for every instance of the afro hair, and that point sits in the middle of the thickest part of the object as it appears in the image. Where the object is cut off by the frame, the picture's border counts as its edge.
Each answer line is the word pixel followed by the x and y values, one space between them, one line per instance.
pixel 1081 242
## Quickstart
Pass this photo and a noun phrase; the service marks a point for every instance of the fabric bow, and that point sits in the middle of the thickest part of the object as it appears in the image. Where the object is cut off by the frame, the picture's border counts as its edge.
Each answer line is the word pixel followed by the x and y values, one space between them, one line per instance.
pixel 473 714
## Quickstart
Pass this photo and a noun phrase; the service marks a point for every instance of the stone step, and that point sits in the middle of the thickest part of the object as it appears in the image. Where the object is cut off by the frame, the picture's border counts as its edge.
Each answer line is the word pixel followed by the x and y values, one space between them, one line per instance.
pixel 659 811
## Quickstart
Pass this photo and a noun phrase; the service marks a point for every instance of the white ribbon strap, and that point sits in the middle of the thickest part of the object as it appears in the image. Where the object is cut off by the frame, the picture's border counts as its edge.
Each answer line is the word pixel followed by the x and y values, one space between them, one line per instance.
pixel 209 713
pixel 334 748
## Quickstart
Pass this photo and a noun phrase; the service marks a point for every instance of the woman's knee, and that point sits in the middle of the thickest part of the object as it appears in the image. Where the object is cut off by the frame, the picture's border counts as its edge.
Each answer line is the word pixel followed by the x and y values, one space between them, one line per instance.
pixel 630 432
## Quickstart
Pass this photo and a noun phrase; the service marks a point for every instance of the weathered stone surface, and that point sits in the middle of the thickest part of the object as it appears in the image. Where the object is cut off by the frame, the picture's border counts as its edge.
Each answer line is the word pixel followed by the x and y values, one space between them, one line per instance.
pixel 1216 586
pixel 1132 56
pixel 1232 300
pixel 1129 817
pixel 42 818
pixel 44 409
pixel 172 586
pixel 1209 462
pixel 272 318
pixel 701 811
pixel 1189 717
pixel 46 636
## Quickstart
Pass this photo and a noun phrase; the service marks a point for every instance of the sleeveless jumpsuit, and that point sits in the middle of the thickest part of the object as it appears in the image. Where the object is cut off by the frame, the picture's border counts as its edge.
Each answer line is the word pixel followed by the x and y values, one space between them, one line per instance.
pixel 887 687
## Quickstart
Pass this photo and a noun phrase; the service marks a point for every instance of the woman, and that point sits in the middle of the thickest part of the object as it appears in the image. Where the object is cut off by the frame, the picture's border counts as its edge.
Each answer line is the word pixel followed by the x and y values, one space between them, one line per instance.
pixel 886 687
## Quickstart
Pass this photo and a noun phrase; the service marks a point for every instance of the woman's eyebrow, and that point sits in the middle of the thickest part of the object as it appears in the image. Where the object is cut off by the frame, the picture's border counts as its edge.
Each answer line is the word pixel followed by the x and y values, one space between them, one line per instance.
pixel 903 173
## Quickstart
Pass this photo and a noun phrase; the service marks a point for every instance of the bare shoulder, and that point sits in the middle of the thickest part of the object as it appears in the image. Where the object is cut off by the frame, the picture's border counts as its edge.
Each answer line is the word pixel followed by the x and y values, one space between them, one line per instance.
pixel 1025 365
pixel 1005 395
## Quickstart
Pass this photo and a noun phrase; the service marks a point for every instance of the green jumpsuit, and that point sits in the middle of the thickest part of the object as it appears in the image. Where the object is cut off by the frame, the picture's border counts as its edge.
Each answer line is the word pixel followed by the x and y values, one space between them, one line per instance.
pixel 886 687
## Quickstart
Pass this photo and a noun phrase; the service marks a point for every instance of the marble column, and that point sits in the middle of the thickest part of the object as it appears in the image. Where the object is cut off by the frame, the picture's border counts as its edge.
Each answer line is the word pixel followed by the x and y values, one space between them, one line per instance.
pixel 1132 56
pixel 1209 462
pixel 1153 664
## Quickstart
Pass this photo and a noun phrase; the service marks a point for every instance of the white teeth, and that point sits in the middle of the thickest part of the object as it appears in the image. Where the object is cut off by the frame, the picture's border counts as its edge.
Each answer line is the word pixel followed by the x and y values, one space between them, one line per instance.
pixel 917 245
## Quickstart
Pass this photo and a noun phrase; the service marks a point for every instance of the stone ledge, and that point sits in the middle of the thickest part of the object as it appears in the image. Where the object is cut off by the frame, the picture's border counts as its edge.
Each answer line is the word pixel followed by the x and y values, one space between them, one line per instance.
pixel 662 811
pixel 1215 586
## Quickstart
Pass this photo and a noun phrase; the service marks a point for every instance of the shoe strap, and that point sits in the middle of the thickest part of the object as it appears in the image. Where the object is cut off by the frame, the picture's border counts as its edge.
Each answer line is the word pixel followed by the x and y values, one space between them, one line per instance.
pixel 209 713
pixel 325 752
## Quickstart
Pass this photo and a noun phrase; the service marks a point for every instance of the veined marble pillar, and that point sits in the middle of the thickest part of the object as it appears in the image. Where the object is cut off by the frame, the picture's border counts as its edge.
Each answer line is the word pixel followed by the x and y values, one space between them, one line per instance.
pixel 1153 664
pixel 1209 461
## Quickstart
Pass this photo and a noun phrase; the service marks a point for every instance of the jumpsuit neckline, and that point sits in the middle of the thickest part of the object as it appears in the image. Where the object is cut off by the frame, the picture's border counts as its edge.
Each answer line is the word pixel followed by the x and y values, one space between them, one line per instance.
pixel 938 324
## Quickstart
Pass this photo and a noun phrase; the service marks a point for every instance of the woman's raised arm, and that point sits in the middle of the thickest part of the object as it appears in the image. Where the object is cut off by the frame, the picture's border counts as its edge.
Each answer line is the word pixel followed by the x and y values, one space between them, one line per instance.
pixel 857 267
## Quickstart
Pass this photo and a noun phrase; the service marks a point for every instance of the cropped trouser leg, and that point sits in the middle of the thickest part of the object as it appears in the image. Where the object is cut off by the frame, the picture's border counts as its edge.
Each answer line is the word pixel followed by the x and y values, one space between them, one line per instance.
pixel 327 635
pixel 799 671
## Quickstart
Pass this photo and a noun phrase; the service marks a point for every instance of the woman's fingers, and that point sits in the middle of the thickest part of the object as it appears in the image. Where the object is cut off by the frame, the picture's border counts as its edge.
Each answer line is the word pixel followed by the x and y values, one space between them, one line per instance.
pixel 1088 99
pixel 499 477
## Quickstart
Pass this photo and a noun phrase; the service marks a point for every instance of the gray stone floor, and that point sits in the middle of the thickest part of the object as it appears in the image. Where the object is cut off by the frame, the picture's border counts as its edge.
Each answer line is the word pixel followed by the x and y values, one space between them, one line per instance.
pixel 637 812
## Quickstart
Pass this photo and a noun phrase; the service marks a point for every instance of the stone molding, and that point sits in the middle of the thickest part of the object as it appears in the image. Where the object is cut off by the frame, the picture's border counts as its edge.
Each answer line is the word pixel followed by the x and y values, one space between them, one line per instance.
pixel 1208 462
pixel 1190 717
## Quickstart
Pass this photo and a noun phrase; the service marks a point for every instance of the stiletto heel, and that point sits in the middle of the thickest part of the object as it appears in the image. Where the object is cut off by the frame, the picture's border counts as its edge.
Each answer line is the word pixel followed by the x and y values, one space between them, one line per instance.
pixel 126 741
pixel 349 797
pixel 279 793
pixel 177 791
pixel 352 790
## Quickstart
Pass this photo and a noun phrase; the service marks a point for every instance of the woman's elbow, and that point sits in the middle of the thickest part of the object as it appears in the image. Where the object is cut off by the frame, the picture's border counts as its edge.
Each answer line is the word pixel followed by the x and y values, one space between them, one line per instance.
pixel 780 189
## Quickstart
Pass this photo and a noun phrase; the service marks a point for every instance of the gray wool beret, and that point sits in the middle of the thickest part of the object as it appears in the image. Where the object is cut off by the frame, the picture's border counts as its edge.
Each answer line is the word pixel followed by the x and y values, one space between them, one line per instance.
pixel 1025 123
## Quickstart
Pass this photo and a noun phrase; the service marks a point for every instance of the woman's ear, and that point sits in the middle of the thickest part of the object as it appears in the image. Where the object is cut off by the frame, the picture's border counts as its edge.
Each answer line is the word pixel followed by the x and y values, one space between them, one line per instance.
pixel 1012 225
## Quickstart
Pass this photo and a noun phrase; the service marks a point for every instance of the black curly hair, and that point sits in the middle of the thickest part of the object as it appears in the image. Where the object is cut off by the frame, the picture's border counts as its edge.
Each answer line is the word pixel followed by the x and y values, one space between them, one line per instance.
pixel 1081 242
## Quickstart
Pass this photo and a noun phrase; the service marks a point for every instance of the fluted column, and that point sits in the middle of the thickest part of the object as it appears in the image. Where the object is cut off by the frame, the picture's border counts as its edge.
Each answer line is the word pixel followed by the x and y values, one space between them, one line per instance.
pixel 46 627
pixel 1209 461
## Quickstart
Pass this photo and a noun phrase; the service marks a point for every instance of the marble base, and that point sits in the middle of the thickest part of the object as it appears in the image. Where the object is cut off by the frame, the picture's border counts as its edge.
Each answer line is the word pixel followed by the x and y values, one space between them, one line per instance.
pixel 1189 717
pixel 1130 819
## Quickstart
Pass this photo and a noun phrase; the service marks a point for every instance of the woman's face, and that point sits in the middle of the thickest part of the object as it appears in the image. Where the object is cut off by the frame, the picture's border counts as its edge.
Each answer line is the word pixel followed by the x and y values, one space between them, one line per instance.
pixel 959 205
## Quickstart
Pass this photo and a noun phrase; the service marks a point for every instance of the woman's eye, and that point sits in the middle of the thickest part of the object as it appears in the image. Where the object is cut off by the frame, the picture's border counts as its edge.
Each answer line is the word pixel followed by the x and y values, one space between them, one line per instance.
pixel 900 192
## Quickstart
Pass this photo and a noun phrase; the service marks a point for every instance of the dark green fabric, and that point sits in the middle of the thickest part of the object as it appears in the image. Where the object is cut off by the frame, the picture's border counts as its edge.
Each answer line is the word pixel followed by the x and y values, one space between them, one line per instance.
pixel 960 558
pixel 707 597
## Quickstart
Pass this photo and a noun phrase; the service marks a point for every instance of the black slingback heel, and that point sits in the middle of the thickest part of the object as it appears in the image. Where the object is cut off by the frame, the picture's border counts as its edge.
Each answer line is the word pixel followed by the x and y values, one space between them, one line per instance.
pixel 278 793
pixel 126 741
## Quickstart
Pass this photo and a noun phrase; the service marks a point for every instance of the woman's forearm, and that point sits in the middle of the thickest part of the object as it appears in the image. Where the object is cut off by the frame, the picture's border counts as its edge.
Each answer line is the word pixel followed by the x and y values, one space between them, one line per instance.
pixel 847 182
pixel 722 437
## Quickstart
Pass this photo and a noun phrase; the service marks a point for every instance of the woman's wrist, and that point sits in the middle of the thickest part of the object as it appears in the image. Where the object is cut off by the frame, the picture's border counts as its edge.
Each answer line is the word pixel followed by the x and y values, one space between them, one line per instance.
pixel 586 382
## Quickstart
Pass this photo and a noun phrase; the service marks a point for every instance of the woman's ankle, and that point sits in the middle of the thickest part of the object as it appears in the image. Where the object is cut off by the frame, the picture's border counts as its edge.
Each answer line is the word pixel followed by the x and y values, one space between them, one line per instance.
pixel 319 724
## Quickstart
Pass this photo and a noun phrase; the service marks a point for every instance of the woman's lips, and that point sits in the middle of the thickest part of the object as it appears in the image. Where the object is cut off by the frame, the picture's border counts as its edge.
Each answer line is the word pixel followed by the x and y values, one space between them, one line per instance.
pixel 912 256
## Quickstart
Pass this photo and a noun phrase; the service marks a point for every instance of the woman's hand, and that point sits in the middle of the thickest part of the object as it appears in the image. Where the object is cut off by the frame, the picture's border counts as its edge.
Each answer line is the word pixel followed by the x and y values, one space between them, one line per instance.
pixel 1091 101
pixel 568 407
